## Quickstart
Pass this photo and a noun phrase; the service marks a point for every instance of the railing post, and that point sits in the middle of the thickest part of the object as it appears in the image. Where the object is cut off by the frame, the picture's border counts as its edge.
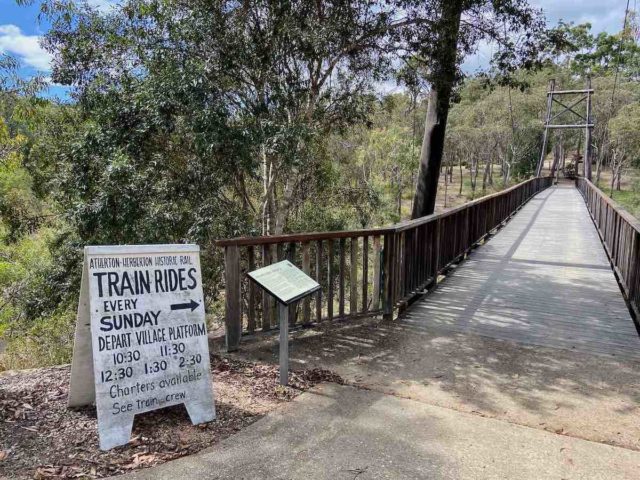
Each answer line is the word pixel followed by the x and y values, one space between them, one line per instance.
pixel 375 302
pixel 291 256
pixel 319 280
pixel 365 273
pixel 633 269
pixel 251 314
pixel 266 298
pixel 306 268
pixel 353 276
pixel 233 300
pixel 435 251
pixel 389 276
pixel 330 275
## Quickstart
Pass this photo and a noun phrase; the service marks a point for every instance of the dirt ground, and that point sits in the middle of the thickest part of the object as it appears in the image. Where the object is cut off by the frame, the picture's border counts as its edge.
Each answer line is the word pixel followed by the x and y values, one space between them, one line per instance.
pixel 449 195
pixel 40 437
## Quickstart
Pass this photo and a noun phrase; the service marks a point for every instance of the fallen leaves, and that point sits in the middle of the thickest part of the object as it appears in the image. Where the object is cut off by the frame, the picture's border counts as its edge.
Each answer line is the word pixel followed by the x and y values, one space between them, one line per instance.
pixel 47 472
pixel 141 460
pixel 49 440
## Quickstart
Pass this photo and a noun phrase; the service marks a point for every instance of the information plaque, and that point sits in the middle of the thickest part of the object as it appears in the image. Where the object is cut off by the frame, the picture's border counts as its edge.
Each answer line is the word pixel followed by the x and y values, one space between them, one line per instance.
pixel 141 336
pixel 288 284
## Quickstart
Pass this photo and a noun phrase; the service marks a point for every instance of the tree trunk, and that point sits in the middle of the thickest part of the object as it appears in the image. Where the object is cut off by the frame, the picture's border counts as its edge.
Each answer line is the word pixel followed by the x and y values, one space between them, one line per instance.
pixel 473 174
pixel 267 195
pixel 283 208
pixel 598 169
pixel 399 193
pixel 507 172
pixel 444 76
pixel 491 172
pixel 614 172
pixel 485 176
pixel 446 188
pixel 461 182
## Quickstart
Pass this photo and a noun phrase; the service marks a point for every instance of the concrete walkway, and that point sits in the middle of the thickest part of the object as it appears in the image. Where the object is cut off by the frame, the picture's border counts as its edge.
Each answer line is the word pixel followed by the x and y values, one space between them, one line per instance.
pixel 523 364
pixel 337 432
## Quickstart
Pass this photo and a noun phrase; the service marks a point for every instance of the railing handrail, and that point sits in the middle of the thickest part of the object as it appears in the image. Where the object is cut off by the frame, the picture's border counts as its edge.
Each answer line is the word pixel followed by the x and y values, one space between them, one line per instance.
pixel 620 235
pixel 628 217
pixel 395 228
pixel 370 271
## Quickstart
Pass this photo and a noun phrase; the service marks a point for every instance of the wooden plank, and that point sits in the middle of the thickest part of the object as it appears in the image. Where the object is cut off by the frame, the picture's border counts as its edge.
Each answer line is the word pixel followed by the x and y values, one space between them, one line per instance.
pixel 319 280
pixel 341 275
pixel 435 262
pixel 365 273
pixel 266 298
pixel 544 279
pixel 388 293
pixel 330 276
pixel 377 267
pixel 293 308
pixel 353 277
pixel 306 268
pixel 251 310
pixel 275 255
pixel 233 301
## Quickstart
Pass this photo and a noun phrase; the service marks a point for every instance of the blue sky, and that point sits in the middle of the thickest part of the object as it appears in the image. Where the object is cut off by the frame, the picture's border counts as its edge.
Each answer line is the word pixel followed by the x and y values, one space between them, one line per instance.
pixel 20 30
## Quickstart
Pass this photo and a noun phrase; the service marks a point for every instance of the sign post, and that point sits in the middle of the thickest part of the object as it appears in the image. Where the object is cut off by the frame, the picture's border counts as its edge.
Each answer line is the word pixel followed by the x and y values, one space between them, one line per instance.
pixel 283 315
pixel 287 284
pixel 141 336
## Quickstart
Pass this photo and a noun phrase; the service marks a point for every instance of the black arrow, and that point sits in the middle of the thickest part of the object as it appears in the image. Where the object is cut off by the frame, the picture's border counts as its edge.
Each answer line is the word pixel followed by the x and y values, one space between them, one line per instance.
pixel 183 306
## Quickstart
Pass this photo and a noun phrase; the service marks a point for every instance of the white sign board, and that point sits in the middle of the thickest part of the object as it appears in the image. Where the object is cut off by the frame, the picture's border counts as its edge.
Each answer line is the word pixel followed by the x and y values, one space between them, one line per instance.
pixel 141 336
pixel 284 281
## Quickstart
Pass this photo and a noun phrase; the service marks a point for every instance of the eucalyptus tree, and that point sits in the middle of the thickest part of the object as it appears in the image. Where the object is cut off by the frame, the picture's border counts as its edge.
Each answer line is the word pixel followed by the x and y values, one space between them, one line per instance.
pixel 196 96
pixel 205 117
pixel 458 28
pixel 625 142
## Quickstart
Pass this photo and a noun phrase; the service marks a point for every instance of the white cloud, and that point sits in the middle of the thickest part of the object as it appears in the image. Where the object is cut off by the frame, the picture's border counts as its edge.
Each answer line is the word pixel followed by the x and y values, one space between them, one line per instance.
pixel 480 59
pixel 26 47
pixel 604 15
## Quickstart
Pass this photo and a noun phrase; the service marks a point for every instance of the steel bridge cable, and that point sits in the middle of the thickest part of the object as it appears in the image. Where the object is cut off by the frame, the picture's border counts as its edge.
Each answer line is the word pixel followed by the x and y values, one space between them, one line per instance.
pixel 615 78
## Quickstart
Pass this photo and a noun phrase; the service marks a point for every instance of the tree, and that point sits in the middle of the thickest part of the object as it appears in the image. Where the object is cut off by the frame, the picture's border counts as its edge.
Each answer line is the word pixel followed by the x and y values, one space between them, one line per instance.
pixel 279 75
pixel 258 87
pixel 625 142
pixel 460 25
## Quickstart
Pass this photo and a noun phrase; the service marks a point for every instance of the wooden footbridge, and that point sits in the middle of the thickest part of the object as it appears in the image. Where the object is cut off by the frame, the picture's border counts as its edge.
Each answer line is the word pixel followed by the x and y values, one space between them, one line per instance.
pixel 542 264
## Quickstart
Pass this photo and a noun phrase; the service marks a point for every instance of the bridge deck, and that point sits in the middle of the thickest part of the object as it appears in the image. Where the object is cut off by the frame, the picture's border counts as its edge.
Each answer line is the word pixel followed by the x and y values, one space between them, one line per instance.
pixel 544 279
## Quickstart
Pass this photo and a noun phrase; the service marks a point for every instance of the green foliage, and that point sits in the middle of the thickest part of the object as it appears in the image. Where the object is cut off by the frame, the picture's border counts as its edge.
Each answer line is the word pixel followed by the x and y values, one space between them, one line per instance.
pixel 20 209
pixel 194 121
pixel 35 315
pixel 624 131
pixel 585 53
pixel 33 339
pixel 49 341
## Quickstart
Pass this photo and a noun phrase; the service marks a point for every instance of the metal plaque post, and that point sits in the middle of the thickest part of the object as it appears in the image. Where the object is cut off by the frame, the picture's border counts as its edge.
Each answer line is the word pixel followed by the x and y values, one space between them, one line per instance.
pixel 283 315
pixel 287 284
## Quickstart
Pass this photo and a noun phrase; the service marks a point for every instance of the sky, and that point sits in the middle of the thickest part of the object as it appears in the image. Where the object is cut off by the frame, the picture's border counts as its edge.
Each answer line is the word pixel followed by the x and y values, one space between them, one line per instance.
pixel 20 30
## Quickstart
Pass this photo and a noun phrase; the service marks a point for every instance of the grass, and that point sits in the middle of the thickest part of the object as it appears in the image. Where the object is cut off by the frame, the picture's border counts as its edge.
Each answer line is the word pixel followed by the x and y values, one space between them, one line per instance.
pixel 629 194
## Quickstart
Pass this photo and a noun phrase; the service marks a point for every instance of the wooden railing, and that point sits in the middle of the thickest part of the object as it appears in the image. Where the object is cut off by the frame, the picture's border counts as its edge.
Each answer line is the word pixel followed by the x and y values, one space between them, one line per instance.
pixel 620 234
pixel 362 272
